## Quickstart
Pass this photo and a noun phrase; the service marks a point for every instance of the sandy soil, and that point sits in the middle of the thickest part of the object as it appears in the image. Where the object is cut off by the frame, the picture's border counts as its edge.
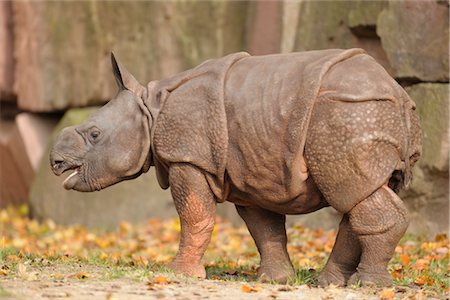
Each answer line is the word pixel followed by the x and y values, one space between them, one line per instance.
pixel 67 282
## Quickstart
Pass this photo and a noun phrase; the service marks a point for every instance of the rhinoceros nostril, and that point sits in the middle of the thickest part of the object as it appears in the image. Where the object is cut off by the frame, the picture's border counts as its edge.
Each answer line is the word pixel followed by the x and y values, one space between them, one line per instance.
pixel 57 163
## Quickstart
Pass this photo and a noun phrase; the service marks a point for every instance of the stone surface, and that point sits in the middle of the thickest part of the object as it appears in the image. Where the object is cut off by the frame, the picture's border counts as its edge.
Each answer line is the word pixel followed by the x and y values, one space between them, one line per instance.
pixel 290 16
pixel 428 196
pixel 16 172
pixel 323 24
pixel 415 36
pixel 340 24
pixel 67 64
pixel 365 13
pixel 432 100
pixel 264 27
pixel 134 201
pixel 6 52
pixel 35 131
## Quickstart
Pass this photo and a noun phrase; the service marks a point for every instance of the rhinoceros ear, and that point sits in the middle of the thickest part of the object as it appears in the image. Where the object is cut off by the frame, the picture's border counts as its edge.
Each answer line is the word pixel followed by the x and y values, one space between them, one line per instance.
pixel 124 79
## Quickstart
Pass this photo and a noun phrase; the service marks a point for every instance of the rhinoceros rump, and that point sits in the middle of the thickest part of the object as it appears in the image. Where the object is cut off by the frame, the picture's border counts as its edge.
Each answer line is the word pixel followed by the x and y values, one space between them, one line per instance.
pixel 276 135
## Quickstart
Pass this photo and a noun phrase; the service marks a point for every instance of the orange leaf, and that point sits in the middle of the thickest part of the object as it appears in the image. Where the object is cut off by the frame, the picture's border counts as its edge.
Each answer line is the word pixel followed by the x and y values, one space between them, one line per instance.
pixel 12 258
pixel 3 272
pixel 103 256
pixel 160 279
pixel 424 279
pixel 440 237
pixel 387 294
pixel 248 289
pixel 397 274
pixel 405 259
pixel 81 275
pixel 420 264
pixel 124 227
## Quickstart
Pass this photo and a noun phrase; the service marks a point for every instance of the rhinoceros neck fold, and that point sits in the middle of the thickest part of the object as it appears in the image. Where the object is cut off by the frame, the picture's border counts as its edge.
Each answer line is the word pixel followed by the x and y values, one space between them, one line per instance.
pixel 145 160
pixel 152 101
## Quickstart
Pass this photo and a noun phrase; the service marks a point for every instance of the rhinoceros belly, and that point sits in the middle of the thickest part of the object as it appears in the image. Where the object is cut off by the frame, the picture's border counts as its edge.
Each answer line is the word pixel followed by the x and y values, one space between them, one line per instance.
pixel 259 99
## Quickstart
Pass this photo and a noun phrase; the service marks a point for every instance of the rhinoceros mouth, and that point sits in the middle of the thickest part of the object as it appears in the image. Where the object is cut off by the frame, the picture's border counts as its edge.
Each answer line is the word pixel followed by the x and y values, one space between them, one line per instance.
pixel 63 167
pixel 72 179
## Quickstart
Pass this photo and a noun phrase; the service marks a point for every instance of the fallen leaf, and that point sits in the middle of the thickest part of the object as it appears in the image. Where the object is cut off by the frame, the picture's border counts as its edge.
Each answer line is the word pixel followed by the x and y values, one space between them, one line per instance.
pixel 4 272
pixel 248 289
pixel 387 294
pixel 22 270
pixel 124 227
pixel 231 272
pixel 405 259
pixel 12 258
pixel 81 275
pixel 160 279
pixel 424 279
pixel 420 264
pixel 440 237
pixel 103 256
pixel 57 276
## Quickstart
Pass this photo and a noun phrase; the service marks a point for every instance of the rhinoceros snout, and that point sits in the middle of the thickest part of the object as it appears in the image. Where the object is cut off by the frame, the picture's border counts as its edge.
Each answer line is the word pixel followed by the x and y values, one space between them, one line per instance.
pixel 66 151
pixel 57 163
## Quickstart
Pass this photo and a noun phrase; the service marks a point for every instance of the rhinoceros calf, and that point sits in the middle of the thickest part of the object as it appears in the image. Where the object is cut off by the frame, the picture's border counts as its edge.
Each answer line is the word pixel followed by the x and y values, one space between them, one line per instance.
pixel 275 135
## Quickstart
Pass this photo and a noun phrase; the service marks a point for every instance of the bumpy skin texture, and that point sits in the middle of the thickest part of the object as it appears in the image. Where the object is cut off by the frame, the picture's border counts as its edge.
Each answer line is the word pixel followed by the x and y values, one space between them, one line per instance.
pixel 275 135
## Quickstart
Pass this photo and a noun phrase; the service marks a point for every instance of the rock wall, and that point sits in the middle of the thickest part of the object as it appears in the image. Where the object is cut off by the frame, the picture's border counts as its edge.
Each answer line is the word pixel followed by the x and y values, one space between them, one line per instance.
pixel 67 64
pixel 54 56
pixel 6 52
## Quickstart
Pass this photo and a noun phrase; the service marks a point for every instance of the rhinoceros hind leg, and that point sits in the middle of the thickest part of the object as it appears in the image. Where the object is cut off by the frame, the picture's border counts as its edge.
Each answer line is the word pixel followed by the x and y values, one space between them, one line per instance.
pixel 379 222
pixel 344 257
pixel 269 232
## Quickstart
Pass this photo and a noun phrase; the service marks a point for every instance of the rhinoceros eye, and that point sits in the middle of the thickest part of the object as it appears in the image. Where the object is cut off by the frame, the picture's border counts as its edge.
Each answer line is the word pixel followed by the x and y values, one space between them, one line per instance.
pixel 94 135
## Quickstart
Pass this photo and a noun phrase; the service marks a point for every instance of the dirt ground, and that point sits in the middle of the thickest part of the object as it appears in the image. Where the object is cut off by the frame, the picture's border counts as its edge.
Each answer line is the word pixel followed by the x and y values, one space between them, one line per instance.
pixel 69 282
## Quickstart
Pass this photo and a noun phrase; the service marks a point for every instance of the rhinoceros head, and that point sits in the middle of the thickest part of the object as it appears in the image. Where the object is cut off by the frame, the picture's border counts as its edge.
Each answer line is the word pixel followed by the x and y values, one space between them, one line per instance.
pixel 112 145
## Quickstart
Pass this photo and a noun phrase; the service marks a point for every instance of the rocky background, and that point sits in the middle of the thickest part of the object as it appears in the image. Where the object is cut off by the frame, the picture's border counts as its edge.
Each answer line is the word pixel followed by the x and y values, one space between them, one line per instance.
pixel 54 70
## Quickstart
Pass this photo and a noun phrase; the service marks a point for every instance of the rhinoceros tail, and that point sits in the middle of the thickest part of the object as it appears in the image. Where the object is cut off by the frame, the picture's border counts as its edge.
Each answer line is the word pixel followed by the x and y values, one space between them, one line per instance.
pixel 413 139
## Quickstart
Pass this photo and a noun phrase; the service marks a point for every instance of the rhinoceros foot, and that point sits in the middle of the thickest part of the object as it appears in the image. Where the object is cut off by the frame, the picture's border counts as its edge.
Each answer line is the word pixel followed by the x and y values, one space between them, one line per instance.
pixel 280 273
pixel 188 269
pixel 367 278
pixel 334 274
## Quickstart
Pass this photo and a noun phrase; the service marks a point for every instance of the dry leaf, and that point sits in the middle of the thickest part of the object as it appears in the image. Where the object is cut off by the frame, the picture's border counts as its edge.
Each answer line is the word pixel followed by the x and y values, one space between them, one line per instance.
pixel 22 270
pixel 81 275
pixel 420 264
pixel 248 289
pixel 422 280
pixel 231 272
pixel 160 279
pixel 4 272
pixel 57 276
pixel 12 258
pixel 405 259
pixel 387 294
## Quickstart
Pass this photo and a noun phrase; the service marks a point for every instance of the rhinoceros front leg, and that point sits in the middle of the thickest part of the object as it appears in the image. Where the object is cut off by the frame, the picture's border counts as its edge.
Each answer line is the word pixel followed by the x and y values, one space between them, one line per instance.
pixel 344 257
pixel 379 222
pixel 268 230
pixel 196 207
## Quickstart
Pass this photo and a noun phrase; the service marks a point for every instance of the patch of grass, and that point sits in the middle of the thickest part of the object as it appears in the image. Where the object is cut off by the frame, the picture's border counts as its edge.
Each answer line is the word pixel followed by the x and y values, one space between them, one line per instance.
pixel 229 271
pixel 5 252
pixel 4 293
pixel 305 276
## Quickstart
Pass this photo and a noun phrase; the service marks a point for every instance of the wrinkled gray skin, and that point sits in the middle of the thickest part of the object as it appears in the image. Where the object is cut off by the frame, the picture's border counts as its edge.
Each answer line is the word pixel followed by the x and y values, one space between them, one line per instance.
pixel 257 132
